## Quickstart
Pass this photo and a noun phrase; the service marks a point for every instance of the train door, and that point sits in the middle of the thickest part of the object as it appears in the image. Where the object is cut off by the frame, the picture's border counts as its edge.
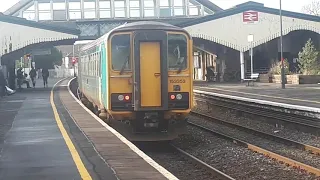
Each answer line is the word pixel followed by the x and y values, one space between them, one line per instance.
pixel 150 76
pixel 151 72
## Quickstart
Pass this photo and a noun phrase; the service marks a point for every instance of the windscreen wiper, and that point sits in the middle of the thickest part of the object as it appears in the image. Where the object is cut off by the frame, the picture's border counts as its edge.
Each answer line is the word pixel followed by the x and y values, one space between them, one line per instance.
pixel 181 65
pixel 124 65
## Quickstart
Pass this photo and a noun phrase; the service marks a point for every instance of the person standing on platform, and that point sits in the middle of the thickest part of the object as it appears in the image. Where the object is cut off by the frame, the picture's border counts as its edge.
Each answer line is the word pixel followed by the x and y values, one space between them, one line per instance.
pixel 2 84
pixel 45 75
pixel 33 75
pixel 19 77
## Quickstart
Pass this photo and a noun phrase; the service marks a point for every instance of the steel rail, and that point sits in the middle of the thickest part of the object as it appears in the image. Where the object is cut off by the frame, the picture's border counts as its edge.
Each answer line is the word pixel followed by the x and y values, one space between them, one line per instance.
pixel 267 153
pixel 309 125
pixel 213 170
pixel 312 149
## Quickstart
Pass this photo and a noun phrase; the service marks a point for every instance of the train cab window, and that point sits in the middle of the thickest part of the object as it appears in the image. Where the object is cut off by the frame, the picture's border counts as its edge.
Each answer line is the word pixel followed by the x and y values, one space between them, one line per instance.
pixel 120 52
pixel 177 52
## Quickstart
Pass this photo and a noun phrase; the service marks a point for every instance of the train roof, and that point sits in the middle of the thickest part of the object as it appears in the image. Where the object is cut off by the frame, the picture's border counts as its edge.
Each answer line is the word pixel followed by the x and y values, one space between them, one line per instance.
pixel 140 25
pixel 144 25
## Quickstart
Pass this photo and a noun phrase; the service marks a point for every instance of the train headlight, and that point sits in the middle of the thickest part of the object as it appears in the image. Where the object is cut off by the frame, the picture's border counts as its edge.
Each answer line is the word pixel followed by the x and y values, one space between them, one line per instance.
pixel 120 97
pixel 127 98
pixel 179 96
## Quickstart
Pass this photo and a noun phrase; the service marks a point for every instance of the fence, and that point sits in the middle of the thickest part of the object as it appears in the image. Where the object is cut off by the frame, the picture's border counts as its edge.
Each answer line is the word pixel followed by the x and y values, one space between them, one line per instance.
pixel 61 72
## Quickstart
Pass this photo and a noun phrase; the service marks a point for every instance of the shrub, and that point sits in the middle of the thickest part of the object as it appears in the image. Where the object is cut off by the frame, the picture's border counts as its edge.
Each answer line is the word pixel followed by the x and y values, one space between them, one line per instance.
pixel 308 59
pixel 276 68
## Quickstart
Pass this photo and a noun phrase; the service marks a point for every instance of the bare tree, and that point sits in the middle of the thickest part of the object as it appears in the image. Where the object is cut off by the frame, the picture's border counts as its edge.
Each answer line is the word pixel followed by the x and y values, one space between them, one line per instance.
pixel 313 8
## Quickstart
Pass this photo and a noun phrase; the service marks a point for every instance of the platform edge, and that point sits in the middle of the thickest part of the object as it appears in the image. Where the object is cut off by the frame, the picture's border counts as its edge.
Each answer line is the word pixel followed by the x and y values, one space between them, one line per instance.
pixel 149 160
pixel 72 149
pixel 264 102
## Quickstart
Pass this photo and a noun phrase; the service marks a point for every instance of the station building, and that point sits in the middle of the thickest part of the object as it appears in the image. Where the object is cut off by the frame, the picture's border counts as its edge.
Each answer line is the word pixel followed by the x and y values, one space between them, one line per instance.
pixel 220 36
pixel 221 40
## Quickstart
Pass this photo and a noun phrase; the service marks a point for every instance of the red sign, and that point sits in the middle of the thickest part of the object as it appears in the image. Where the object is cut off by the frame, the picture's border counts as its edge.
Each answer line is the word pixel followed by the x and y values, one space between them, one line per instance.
pixel 250 17
pixel 74 60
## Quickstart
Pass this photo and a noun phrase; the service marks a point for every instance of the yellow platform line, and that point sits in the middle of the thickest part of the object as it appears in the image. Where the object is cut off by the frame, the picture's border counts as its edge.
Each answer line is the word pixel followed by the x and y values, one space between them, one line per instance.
pixel 74 153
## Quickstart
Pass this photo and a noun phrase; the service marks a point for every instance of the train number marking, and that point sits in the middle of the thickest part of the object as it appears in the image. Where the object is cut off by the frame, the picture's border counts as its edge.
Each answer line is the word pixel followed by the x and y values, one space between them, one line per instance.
pixel 177 81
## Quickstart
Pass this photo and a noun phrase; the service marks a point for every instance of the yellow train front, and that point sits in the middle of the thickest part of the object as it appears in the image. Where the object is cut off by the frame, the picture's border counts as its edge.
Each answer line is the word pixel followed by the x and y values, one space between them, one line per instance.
pixel 148 78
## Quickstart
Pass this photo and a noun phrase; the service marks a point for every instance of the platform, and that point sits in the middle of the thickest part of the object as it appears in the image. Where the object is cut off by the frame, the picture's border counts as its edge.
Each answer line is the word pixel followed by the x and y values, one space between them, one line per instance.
pixel 32 146
pixel 47 134
pixel 297 95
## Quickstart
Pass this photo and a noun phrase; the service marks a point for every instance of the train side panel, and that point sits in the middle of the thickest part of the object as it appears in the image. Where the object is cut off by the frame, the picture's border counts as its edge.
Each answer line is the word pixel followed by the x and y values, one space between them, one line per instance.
pixel 104 76
pixel 89 77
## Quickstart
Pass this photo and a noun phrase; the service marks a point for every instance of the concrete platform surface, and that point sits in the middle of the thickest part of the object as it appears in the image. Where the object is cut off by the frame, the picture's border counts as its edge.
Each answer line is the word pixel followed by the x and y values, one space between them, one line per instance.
pixel 47 134
pixel 31 144
pixel 302 95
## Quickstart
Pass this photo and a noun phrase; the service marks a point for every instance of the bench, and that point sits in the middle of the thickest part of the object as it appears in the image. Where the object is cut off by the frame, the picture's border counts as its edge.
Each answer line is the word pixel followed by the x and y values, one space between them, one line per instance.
pixel 254 77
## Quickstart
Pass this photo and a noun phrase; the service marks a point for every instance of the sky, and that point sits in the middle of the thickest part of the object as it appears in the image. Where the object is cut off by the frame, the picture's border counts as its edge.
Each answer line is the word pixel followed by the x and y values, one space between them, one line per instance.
pixel 290 5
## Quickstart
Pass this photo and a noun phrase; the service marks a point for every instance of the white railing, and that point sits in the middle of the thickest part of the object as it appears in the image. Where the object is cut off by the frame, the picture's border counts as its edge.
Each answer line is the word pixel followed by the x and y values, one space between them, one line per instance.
pixel 61 72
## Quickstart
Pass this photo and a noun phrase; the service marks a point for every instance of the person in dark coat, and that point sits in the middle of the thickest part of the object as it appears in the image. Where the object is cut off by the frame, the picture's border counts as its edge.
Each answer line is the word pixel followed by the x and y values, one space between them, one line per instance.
pixel 33 75
pixel 3 84
pixel 45 75
pixel 20 77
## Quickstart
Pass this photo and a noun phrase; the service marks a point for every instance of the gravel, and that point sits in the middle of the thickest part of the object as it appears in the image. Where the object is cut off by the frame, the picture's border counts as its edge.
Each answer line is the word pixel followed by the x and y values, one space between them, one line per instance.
pixel 279 148
pixel 234 160
pixel 174 162
pixel 232 116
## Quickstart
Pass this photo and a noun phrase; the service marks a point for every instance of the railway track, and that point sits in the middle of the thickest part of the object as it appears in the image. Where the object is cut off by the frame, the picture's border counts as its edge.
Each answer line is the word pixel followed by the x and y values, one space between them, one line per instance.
pixel 291 120
pixel 255 148
pixel 309 148
pixel 181 163
pixel 212 170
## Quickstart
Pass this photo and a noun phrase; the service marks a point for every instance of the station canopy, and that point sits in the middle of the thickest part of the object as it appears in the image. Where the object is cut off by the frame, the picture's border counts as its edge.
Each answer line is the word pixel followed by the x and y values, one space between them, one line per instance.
pixel 18 33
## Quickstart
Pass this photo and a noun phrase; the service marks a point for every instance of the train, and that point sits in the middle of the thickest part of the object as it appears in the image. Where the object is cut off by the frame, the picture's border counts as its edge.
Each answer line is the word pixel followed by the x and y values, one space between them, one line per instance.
pixel 138 79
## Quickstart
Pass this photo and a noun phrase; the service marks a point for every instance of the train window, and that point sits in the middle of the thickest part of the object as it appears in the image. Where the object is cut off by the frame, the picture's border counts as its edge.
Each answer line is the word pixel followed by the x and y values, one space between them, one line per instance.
pixel 177 52
pixel 120 52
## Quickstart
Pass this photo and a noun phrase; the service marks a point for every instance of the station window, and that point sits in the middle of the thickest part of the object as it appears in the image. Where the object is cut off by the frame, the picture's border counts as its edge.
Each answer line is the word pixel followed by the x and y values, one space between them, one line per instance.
pixel 59 11
pixel 44 6
pixel 178 7
pixel 165 9
pixel 74 10
pixel 44 16
pixel 105 9
pixel 148 8
pixel 89 7
pixel 30 13
pixel 177 51
pixel 120 52
pixel 44 11
pixel 194 9
pixel 119 8
pixel 134 8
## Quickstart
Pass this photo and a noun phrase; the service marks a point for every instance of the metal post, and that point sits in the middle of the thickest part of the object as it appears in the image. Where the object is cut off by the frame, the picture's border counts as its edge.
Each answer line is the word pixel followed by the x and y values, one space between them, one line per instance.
pixel 251 54
pixel 281 50
pixel 242 65
pixel 74 68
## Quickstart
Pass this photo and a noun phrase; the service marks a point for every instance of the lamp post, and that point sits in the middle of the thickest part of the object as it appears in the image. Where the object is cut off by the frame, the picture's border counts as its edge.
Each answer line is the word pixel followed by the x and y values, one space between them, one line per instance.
pixel 281 50
pixel 250 40
pixel 74 68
